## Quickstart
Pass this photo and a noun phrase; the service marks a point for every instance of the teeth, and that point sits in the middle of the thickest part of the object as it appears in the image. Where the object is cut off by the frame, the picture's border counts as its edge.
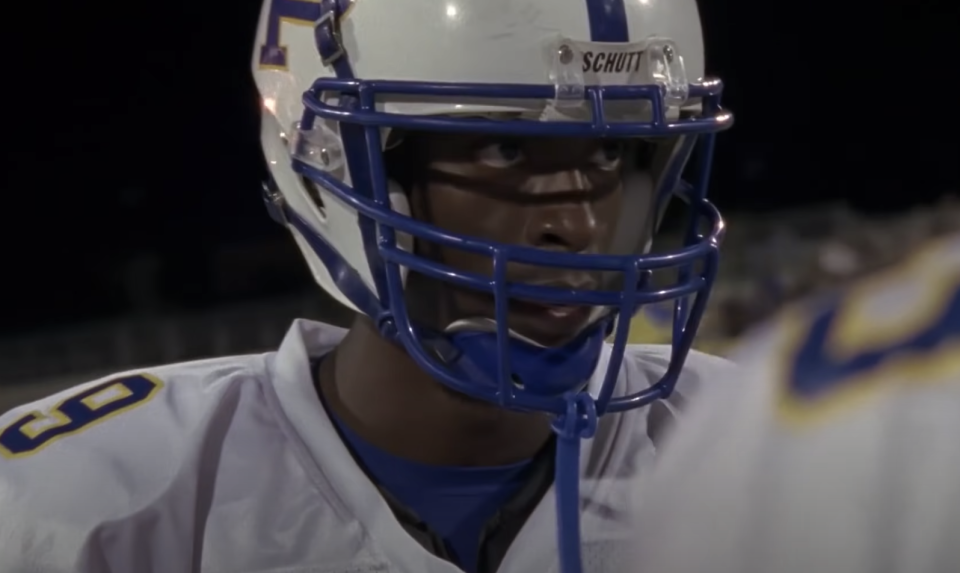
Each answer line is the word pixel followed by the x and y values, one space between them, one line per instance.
pixel 561 311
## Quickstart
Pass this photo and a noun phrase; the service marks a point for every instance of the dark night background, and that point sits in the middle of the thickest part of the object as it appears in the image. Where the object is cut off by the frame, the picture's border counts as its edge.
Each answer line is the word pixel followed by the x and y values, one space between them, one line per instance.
pixel 131 130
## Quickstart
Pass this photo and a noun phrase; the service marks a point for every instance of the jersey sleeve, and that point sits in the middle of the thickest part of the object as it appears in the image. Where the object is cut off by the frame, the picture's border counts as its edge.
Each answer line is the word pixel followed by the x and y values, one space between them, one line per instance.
pixel 836 452
pixel 94 479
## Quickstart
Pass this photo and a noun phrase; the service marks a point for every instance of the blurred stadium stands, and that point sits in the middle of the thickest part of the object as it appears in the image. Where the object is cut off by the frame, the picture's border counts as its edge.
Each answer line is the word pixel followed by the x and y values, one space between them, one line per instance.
pixel 768 260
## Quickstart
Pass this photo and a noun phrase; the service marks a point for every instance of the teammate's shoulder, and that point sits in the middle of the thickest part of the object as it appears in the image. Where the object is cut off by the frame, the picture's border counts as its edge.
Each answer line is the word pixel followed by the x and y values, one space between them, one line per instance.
pixel 897 325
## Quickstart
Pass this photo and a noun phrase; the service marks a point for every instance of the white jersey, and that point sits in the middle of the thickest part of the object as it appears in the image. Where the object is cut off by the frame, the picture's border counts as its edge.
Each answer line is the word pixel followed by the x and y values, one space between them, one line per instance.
pixel 232 465
pixel 840 454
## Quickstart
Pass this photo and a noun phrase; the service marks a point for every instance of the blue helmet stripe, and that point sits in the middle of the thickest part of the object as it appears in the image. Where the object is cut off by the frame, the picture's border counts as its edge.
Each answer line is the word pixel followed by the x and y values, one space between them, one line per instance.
pixel 608 21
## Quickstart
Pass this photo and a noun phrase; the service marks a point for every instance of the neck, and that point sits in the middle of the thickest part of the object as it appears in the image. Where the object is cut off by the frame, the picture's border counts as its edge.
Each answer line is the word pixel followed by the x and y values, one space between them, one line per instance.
pixel 383 396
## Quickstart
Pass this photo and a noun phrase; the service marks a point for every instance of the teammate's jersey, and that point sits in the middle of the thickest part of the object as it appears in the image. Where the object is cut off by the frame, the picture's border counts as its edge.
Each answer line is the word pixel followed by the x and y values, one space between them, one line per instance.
pixel 233 465
pixel 840 452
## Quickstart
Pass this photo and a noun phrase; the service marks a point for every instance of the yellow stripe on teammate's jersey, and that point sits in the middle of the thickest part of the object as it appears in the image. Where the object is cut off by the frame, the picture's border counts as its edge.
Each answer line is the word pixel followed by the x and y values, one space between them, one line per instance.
pixel 897 328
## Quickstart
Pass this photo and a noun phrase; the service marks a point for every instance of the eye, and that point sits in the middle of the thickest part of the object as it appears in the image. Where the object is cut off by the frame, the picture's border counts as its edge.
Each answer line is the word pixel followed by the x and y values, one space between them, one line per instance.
pixel 501 154
pixel 609 155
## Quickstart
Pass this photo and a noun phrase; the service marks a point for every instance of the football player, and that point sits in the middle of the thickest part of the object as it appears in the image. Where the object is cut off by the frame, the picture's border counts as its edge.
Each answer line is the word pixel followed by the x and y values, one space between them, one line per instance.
pixel 480 181
pixel 840 454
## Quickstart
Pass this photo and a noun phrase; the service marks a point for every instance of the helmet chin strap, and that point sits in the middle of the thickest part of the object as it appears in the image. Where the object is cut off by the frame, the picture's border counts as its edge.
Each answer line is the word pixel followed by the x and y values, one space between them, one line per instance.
pixel 578 423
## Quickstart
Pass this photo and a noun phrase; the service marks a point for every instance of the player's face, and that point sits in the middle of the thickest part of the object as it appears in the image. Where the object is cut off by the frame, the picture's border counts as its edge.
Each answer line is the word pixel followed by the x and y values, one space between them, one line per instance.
pixel 563 195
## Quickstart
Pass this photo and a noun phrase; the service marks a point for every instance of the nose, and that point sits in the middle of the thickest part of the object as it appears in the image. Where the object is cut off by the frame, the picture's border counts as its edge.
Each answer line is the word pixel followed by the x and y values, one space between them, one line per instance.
pixel 562 218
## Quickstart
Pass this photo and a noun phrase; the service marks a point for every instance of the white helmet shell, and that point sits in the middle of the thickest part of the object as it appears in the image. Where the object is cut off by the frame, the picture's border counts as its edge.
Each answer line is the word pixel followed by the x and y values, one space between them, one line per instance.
pixel 461 41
